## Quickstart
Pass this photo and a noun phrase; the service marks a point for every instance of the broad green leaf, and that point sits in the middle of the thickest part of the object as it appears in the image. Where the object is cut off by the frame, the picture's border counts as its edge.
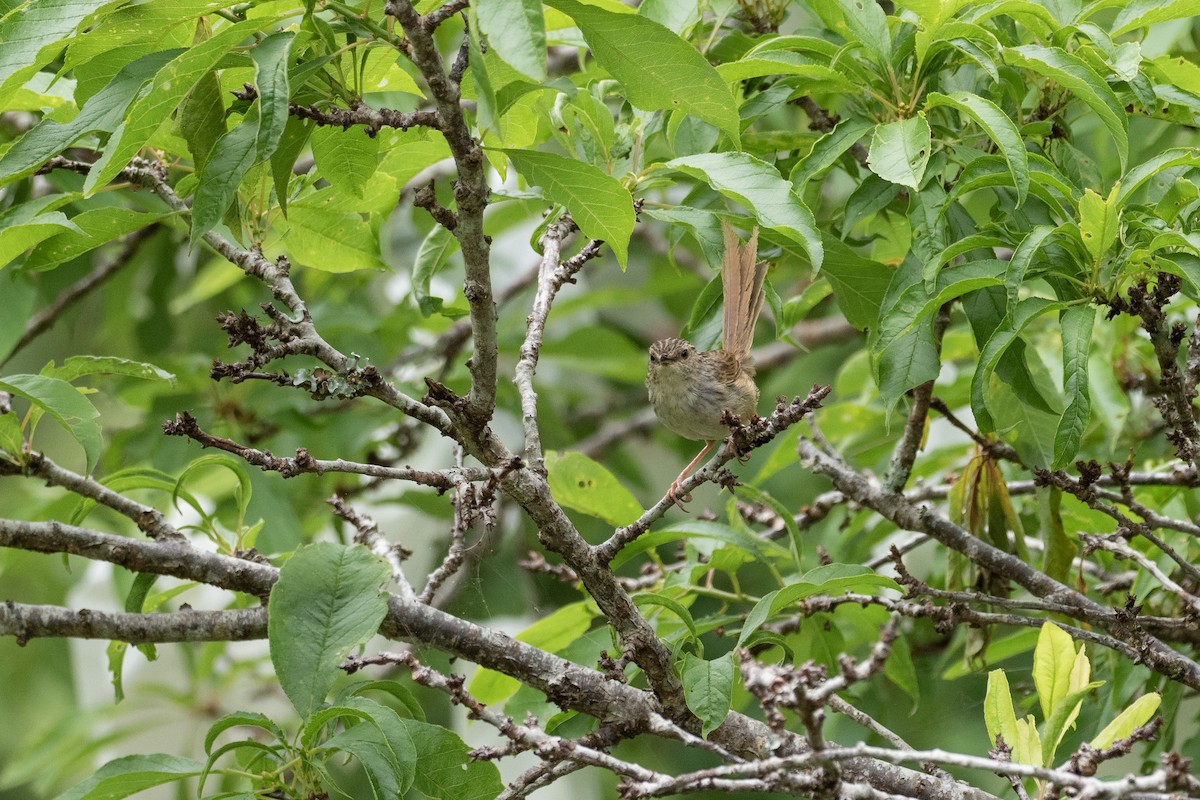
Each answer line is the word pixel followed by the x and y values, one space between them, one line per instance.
pixel 1063 717
pixel 759 187
pixel 1001 339
pixel 1060 549
pixel 295 136
pixel 828 149
pixel 1027 749
pixel 487 108
pixel 867 23
pixel 330 241
pixel 93 228
pixel 1077 323
pixel 327 600
pixel 31 35
pixel 1053 659
pixel 999 128
pixel 66 405
pixel 78 366
pixel 1073 74
pixel 899 151
pixel 166 92
pixel 231 158
pixel 551 633
pixel 200 119
pixel 444 768
pixel 859 284
pixel 663 72
pixel 1142 13
pixel 381 766
pixel 599 204
pixel 516 32
pixel 22 227
pixel 102 112
pixel 251 719
pixel 1133 180
pixel 642 599
pixel 346 158
pixel 271 79
pixel 580 483
pixel 1138 713
pixel 708 688
pixel 815 76
pixel 998 712
pixel 1098 222
pixel 438 245
pixel 126 776
pixel 916 304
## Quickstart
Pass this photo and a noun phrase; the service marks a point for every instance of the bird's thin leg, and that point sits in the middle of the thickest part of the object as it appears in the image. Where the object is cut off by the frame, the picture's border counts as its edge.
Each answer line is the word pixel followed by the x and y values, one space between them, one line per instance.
pixel 672 492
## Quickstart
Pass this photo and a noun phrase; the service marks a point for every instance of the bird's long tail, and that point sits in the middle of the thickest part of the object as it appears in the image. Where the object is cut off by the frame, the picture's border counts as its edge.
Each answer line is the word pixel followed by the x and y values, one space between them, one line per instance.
pixel 742 279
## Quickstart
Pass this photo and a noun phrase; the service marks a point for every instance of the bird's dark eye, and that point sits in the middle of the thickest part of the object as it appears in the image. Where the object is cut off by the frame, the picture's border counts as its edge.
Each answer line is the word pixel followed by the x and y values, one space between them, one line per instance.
pixel 685 354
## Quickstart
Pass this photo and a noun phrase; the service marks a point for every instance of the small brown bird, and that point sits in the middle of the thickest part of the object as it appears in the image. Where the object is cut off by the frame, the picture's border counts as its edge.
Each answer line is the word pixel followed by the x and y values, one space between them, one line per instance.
pixel 688 389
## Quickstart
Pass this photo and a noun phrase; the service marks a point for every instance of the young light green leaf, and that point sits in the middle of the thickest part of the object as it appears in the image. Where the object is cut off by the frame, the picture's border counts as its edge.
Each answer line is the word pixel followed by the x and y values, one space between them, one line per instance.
pixel 599 204
pixel 516 32
pixel 1076 76
pixel 126 776
pixel 578 482
pixel 78 366
pixel 1053 660
pixel 899 151
pixel 867 23
pixel 66 405
pixel 327 600
pixel 662 73
pixel 760 188
pixel 166 92
pixel 1027 749
pixel 1077 323
pixel 1098 222
pixel 330 241
pixel 1138 713
pixel 1063 719
pixel 999 127
pixel 708 689
pixel 998 712
pixel 102 112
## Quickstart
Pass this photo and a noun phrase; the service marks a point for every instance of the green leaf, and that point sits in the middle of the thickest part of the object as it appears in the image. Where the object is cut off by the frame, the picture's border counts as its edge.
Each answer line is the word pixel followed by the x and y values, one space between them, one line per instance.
pixel 252 719
pixel 1143 13
pixel 1077 323
pixel 1060 549
pixel 1138 713
pixel 383 743
pixel 1073 74
pixel 703 531
pixel 126 776
pixel 828 580
pixel 1062 719
pixel 444 768
pixel 516 32
pixel 66 405
pixel 201 117
pixel 663 72
pixel 1018 265
pixel 708 688
pixel 346 158
pixel 1098 222
pixel 92 229
pixel 599 204
pixel 759 187
pixel 326 601
pixel 33 33
pixel 815 76
pixel 859 284
pixel 23 227
pixel 580 483
pixel 643 599
pixel 437 247
pixel 828 149
pixel 999 128
pixel 271 57
pixel 231 158
pixel 330 241
pixel 1001 339
pixel 899 151
pixel 78 366
pixel 166 92
pixel 867 24
pixel 102 112
pixel 998 712
pixel 917 304
pixel 1133 180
